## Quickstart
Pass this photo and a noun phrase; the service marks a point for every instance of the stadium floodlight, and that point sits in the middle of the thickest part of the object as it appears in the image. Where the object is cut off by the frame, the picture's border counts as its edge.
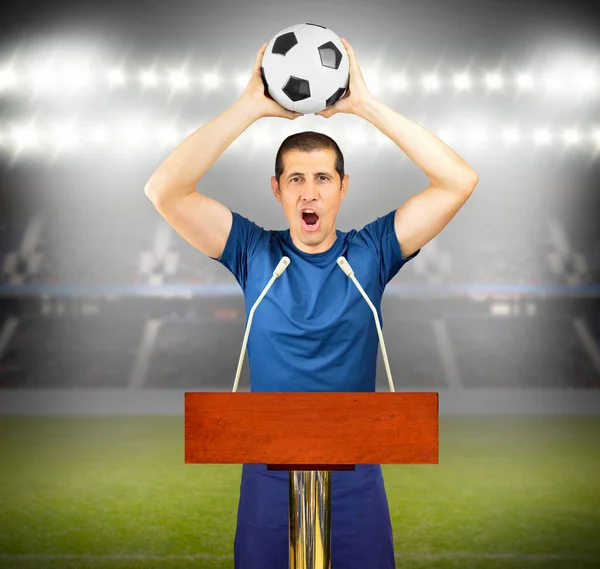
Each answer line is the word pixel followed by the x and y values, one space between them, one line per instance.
pixel 63 136
pixel 542 136
pixel 399 82
pixel 99 134
pixel 479 134
pixel 76 76
pixel 134 133
pixel 374 80
pixel 261 136
pixel 511 135
pixel 149 78
pixel 494 81
pixel 25 136
pixel 571 137
pixel 356 135
pixel 241 80
pixel 42 78
pixel 524 81
pixel 8 78
pixel 116 77
pixel 212 80
pixel 179 80
pixel 552 82
pixel 168 135
pixel 431 82
pixel 462 82
pixel 587 81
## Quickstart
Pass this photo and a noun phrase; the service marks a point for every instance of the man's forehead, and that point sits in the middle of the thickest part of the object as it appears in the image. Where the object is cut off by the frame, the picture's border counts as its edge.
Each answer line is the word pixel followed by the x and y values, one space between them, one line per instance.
pixel 310 162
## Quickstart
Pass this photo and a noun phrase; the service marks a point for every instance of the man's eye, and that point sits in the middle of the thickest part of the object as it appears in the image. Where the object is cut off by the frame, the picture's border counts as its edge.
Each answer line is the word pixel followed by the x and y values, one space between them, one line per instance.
pixel 326 178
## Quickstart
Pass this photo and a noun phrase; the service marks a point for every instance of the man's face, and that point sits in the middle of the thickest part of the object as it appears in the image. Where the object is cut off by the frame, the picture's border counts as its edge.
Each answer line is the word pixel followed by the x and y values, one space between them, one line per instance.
pixel 310 181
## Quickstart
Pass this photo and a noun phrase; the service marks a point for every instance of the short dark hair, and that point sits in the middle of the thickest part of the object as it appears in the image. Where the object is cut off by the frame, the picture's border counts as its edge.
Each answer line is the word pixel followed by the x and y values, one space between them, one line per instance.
pixel 307 141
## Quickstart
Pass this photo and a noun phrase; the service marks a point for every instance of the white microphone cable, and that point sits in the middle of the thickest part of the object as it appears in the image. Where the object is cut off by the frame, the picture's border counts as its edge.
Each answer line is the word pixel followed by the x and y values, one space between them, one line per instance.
pixel 345 266
pixel 282 266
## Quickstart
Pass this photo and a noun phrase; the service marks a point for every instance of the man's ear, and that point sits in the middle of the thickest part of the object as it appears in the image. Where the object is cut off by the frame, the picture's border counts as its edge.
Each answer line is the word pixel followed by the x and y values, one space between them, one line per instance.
pixel 344 187
pixel 275 188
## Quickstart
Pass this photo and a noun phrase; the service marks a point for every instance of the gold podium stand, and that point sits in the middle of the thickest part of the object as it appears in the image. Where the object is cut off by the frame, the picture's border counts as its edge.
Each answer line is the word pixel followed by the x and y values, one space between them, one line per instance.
pixel 311 434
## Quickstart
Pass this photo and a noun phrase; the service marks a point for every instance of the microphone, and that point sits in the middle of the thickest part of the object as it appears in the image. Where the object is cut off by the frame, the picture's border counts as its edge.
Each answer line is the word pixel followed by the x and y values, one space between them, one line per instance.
pixel 345 266
pixel 281 266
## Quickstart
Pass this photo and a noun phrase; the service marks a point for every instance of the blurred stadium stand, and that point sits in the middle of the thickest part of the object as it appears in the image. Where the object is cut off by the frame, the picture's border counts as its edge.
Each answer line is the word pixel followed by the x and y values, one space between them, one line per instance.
pixel 153 338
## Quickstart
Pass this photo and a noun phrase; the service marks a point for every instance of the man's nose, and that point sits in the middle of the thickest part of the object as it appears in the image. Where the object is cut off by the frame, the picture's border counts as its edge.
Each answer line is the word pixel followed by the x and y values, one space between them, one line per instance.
pixel 310 192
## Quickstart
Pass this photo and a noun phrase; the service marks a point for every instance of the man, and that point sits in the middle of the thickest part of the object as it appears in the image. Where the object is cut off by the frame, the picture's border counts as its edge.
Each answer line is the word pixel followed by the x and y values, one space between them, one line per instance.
pixel 313 331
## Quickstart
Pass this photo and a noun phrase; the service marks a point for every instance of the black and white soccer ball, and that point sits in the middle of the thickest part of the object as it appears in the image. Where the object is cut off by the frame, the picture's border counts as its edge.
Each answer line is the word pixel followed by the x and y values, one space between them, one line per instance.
pixel 305 68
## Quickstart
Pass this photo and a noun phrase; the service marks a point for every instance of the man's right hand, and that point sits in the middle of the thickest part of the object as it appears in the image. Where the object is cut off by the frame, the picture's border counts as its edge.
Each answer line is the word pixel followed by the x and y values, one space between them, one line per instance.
pixel 255 93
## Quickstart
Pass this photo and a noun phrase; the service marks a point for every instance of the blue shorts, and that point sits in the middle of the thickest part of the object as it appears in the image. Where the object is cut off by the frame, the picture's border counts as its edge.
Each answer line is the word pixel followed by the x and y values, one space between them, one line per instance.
pixel 361 529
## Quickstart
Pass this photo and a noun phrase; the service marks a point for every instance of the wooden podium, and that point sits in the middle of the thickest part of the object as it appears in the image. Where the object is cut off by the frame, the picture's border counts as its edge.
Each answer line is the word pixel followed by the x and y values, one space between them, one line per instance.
pixel 311 434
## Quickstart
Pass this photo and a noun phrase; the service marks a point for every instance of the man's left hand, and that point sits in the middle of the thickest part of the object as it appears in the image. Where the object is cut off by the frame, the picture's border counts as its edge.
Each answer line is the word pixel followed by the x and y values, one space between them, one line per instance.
pixel 356 93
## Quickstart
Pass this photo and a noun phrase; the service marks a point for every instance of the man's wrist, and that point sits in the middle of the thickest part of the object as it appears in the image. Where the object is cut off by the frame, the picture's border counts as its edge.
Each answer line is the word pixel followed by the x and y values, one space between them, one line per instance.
pixel 248 108
pixel 366 107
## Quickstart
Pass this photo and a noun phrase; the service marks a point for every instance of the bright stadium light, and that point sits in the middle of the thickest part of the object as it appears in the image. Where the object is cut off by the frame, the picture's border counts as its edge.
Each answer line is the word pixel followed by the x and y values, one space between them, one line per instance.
pixel 76 75
pixel 179 80
pixel 511 135
pixel 431 82
pixel 260 136
pixel 524 81
pixel 587 81
pixel 479 135
pixel 241 80
pixel 63 136
pixel 168 135
pixel 494 81
pixel 542 136
pixel 149 78
pixel 399 82
pixel 462 82
pixel 551 81
pixel 134 133
pixel 42 78
pixel 116 77
pixel 571 137
pixel 99 134
pixel 8 78
pixel 25 136
pixel 374 80
pixel 356 135
pixel 212 80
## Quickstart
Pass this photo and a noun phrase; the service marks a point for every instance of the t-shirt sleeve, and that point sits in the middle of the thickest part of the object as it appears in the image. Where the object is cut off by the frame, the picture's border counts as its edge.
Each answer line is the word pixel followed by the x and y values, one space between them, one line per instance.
pixel 380 235
pixel 241 245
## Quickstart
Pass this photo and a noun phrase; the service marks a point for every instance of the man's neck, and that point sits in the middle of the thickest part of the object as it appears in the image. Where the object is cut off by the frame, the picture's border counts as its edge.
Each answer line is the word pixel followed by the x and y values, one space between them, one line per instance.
pixel 320 248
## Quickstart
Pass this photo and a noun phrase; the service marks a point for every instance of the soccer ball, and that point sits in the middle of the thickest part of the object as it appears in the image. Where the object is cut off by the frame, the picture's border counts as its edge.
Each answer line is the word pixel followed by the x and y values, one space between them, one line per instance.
pixel 305 68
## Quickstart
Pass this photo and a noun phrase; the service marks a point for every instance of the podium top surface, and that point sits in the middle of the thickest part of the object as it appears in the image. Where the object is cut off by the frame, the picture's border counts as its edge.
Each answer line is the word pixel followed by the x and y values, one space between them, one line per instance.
pixel 311 428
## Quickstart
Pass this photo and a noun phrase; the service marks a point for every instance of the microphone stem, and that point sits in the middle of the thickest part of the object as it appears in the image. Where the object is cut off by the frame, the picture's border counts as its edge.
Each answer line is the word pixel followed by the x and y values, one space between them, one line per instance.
pixel 250 316
pixel 379 332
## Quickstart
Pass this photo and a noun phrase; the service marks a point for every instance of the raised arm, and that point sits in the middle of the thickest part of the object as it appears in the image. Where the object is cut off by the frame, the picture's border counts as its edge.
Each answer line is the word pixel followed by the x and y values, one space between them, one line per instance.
pixel 202 221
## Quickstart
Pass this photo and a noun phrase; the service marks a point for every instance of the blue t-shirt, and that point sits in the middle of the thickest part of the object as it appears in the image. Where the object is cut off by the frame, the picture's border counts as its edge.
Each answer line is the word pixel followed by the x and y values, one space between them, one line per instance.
pixel 313 331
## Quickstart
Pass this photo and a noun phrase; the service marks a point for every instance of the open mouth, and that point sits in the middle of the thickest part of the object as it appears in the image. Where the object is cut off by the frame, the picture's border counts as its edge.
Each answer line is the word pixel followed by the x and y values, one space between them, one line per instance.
pixel 310 220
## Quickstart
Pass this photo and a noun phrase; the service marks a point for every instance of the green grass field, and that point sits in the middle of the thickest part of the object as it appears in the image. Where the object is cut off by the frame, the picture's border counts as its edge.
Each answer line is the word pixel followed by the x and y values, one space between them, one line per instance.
pixel 114 492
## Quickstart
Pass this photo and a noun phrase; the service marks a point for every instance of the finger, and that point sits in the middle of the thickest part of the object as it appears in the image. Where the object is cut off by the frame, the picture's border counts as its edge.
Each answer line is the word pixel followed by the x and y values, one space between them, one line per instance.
pixel 348 47
pixel 351 54
pixel 259 57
